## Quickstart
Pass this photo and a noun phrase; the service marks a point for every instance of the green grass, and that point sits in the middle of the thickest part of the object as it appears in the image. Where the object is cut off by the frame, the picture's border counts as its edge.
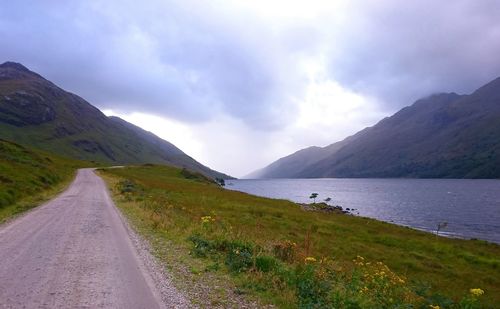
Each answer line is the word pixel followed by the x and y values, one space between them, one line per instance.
pixel 245 244
pixel 29 177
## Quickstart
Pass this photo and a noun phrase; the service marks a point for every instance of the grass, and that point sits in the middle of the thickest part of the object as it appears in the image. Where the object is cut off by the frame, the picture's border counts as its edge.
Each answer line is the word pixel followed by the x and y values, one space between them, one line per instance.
pixel 273 252
pixel 29 177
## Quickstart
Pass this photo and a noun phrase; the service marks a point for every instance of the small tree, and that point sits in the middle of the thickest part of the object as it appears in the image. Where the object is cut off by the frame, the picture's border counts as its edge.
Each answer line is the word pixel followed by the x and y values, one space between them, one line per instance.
pixel 328 199
pixel 314 196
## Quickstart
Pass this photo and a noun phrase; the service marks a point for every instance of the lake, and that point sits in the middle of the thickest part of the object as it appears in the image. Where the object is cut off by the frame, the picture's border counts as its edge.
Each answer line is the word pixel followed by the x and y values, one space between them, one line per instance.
pixel 470 207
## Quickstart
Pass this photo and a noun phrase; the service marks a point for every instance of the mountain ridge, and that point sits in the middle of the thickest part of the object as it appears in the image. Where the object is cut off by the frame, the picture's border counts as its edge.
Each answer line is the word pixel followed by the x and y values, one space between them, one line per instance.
pixel 444 135
pixel 35 112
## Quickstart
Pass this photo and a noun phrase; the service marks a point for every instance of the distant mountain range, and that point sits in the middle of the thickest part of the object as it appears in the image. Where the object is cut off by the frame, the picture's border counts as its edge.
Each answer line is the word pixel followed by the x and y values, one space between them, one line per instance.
pixel 445 135
pixel 36 113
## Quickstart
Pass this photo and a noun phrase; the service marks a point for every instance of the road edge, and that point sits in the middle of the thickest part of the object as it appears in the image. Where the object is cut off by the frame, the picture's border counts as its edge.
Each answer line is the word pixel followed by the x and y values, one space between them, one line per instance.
pixel 156 276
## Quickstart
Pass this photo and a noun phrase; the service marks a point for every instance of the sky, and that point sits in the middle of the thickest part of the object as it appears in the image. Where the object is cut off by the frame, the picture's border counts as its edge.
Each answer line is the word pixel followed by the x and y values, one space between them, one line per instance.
pixel 239 84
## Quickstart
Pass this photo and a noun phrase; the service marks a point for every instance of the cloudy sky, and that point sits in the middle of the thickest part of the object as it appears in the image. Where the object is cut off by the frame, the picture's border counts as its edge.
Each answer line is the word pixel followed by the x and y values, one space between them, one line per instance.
pixel 238 84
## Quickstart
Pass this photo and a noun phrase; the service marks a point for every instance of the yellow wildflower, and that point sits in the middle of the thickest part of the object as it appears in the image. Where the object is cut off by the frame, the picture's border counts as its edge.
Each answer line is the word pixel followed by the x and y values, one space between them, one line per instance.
pixel 309 259
pixel 434 307
pixel 206 219
pixel 476 292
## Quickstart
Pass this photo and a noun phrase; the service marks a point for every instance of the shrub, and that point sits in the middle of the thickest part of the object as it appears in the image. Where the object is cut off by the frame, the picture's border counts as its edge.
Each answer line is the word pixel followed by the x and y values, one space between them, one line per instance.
pixel 201 247
pixel 471 301
pixel 239 258
pixel 238 255
pixel 127 186
pixel 285 251
pixel 195 176
pixel 312 290
pixel 265 263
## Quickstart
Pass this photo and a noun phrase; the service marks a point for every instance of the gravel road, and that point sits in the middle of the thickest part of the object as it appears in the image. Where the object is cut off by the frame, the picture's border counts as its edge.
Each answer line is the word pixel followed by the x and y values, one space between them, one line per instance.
pixel 77 252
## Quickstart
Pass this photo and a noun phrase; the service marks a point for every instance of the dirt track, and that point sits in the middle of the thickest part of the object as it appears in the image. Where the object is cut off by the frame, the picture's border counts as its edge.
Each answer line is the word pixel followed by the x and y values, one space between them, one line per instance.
pixel 75 252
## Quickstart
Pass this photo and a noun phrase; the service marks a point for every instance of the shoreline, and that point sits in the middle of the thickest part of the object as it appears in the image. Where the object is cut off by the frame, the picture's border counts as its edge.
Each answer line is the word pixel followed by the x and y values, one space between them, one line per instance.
pixel 337 209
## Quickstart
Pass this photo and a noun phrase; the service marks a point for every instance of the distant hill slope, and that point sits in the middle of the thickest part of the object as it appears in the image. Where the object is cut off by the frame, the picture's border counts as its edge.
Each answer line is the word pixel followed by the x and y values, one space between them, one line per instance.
pixel 37 113
pixel 442 136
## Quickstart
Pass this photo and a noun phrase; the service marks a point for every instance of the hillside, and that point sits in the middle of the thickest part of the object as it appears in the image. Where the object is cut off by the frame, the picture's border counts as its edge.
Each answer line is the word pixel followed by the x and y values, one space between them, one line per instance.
pixel 28 176
pixel 445 135
pixel 36 113
pixel 214 240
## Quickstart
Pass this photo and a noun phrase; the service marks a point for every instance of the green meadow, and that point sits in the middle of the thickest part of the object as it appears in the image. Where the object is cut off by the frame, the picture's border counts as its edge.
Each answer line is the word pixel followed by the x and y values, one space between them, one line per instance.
pixel 223 246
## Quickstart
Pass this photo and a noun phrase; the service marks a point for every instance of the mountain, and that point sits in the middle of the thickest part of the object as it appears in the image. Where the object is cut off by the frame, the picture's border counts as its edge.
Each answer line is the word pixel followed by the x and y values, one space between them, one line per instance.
pixel 36 113
pixel 295 164
pixel 445 135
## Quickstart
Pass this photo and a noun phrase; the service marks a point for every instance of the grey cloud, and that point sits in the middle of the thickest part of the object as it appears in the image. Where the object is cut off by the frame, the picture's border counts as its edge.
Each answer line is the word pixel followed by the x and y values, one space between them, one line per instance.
pixel 192 60
pixel 180 59
pixel 400 51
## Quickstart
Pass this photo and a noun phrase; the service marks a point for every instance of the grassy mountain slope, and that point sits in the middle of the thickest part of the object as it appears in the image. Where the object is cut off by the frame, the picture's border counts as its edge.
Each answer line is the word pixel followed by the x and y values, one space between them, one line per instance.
pixel 28 177
pixel 442 136
pixel 37 113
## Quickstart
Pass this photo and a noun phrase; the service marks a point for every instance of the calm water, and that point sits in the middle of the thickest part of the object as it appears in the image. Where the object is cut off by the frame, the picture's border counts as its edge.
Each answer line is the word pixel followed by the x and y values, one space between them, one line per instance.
pixel 471 207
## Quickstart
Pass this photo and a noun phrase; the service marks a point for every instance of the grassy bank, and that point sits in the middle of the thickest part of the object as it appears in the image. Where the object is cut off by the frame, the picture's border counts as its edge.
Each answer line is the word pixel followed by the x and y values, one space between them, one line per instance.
pixel 29 177
pixel 224 244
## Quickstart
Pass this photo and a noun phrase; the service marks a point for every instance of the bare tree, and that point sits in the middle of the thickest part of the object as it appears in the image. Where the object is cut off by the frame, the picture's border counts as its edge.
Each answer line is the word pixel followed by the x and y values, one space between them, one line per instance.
pixel 441 225
pixel 314 196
